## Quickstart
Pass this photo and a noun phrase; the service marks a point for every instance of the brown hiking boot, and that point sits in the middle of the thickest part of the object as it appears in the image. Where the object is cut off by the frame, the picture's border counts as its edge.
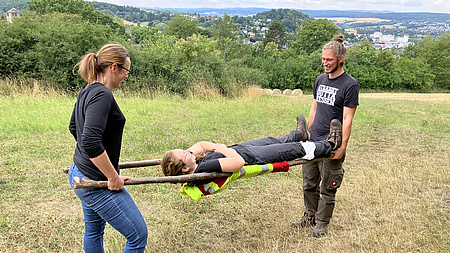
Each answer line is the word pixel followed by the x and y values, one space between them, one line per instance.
pixel 302 127
pixel 335 133
pixel 305 221
pixel 320 229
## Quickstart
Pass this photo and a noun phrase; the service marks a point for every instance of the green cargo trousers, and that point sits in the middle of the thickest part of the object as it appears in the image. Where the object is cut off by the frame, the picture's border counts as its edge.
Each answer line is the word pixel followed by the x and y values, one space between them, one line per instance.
pixel 320 182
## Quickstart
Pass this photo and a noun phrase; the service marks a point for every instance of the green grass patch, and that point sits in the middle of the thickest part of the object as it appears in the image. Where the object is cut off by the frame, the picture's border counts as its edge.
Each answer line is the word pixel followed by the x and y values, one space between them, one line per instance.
pixel 394 198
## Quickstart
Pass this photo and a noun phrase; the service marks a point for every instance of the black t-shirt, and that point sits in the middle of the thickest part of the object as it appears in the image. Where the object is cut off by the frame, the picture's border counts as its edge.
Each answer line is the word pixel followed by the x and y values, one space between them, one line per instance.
pixel 97 125
pixel 332 96
pixel 208 165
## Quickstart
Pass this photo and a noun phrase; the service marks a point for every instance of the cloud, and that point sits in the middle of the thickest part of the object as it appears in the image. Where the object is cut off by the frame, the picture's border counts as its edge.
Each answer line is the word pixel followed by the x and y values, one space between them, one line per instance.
pixel 399 3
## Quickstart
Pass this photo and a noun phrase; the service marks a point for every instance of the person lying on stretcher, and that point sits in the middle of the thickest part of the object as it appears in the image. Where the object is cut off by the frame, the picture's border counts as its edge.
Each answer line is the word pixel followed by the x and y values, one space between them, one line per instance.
pixel 210 157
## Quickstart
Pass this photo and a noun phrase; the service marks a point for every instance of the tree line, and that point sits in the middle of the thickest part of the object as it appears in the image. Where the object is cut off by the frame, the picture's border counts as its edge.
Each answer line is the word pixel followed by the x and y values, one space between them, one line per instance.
pixel 6 5
pixel 133 14
pixel 52 36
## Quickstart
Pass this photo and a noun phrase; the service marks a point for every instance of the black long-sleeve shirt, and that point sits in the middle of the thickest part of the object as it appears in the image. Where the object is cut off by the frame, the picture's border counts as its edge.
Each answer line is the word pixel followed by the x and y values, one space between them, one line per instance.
pixel 97 125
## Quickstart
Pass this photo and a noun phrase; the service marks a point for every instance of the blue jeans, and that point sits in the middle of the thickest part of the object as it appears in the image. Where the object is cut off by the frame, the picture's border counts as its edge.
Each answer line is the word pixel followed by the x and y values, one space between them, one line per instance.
pixel 101 205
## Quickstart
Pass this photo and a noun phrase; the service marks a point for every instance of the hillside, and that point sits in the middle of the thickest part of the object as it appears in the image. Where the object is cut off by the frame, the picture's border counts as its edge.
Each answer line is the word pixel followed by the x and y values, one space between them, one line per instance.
pixel 360 24
pixel 6 5
pixel 141 14
pixel 133 14
pixel 242 12
pixel 395 16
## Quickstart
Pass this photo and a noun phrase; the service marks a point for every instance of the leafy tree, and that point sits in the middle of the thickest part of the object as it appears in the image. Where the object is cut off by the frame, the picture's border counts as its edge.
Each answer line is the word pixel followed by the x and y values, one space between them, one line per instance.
pixel 62 6
pixel 207 32
pixel 314 34
pixel 414 74
pixel 226 33
pixel 408 51
pixel 176 65
pixel 141 33
pixel 271 50
pixel 436 53
pixel 47 47
pixel 47 42
pixel 17 38
pixel 289 18
pixel 276 34
pixel 286 73
pixel 386 60
pixel 226 28
pixel 362 63
pixel 181 27
pixel 134 14
pixel 6 5
pixel 85 10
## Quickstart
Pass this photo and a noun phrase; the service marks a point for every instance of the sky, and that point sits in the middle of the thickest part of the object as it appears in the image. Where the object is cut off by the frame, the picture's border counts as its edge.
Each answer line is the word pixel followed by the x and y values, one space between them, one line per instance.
pixel 439 6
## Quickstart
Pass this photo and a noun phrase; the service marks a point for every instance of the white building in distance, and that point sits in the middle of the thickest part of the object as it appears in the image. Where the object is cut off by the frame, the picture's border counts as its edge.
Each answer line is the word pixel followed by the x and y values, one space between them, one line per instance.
pixel 11 14
pixel 388 41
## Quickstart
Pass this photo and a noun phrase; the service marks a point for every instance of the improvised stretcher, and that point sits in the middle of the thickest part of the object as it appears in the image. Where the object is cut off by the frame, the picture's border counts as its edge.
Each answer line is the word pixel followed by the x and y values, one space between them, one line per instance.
pixel 193 191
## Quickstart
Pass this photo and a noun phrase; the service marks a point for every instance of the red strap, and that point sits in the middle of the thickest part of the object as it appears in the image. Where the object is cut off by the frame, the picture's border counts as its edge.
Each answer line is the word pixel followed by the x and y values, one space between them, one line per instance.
pixel 219 181
pixel 280 167
pixel 202 189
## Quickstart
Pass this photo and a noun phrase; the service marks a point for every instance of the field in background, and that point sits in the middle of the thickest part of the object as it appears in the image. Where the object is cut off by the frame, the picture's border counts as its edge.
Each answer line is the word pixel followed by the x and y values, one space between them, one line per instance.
pixel 357 20
pixel 439 98
pixel 395 196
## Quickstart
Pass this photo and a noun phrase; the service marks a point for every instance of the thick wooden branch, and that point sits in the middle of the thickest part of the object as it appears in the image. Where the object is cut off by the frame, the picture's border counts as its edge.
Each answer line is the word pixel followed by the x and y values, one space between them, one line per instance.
pixel 150 180
pixel 125 165
pixel 144 163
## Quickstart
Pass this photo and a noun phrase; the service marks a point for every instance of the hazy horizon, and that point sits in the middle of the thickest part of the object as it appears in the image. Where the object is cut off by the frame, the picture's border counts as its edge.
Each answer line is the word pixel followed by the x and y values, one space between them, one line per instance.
pixel 434 6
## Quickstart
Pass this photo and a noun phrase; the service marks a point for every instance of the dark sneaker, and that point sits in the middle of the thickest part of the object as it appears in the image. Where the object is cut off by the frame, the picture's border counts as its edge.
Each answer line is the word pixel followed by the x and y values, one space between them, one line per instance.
pixel 335 133
pixel 302 127
pixel 320 229
pixel 305 221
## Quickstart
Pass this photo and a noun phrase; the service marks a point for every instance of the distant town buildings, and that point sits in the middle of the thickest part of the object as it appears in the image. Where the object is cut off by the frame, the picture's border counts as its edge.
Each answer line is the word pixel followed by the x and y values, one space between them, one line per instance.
pixel 252 42
pixel 352 31
pixel 387 41
pixel 11 14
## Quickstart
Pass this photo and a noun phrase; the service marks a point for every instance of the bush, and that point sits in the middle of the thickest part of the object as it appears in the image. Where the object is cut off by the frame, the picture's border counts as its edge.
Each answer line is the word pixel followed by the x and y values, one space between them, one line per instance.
pixel 414 74
pixel 48 47
pixel 177 65
pixel 436 53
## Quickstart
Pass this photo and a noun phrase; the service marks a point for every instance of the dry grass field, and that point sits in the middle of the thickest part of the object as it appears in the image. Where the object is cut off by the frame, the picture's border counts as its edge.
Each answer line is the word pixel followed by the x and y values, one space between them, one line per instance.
pixel 395 196
pixel 358 20
pixel 438 98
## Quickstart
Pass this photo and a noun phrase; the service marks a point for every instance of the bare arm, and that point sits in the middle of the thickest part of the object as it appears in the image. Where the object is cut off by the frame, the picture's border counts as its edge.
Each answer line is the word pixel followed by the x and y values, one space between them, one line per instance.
pixel 312 115
pixel 349 113
pixel 115 182
pixel 202 145
pixel 232 161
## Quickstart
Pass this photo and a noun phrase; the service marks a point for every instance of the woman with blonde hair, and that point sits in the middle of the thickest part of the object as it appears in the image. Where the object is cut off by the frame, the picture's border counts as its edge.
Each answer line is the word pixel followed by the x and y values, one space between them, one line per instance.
pixel 97 125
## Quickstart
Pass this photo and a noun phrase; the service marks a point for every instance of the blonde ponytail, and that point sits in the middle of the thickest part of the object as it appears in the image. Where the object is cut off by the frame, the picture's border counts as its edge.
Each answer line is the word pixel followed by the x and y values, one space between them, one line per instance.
pixel 92 64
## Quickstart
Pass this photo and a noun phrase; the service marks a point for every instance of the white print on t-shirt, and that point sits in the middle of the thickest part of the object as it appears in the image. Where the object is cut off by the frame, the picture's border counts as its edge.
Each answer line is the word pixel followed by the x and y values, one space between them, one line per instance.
pixel 326 94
